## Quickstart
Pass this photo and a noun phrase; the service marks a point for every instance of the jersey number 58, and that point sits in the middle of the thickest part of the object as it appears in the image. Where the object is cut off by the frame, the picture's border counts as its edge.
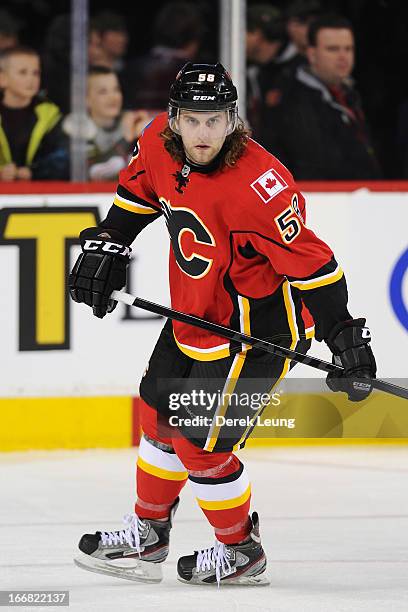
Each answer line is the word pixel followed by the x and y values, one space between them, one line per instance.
pixel 288 224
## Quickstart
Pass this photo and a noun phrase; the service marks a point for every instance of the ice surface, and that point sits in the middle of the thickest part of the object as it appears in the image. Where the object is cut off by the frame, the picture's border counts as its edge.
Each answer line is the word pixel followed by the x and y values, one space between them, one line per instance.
pixel 334 523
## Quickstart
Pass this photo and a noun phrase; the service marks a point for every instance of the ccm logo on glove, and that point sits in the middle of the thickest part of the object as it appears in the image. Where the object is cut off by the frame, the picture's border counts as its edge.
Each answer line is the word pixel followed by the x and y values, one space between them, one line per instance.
pixel 100 246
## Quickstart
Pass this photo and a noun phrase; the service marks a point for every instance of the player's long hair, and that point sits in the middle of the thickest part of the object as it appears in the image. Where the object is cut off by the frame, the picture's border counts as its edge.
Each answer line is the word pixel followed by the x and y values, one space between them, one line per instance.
pixel 233 148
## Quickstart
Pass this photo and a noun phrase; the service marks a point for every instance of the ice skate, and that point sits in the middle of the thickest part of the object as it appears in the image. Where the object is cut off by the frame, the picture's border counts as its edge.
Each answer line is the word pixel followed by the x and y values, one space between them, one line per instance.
pixel 133 553
pixel 235 564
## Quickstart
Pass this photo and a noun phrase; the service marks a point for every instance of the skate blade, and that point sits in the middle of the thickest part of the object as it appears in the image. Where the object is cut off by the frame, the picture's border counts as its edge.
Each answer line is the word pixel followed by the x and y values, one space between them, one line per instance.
pixel 259 580
pixel 139 571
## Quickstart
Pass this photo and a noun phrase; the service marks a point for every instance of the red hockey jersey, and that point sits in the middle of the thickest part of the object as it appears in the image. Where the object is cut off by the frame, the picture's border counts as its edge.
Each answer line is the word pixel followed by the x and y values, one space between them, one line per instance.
pixel 241 254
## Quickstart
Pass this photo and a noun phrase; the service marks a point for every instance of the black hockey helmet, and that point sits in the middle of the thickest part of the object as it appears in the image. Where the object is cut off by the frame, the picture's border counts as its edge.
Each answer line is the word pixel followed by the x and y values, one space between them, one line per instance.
pixel 203 87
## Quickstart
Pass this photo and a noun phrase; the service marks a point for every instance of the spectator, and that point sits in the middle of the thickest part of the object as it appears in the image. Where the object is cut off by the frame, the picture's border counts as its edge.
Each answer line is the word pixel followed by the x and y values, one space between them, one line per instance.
pixel 111 134
pixel 266 38
pixel 299 15
pixel 178 33
pixel 108 40
pixel 31 141
pixel 318 128
pixel 9 30
pixel 107 45
pixel 56 61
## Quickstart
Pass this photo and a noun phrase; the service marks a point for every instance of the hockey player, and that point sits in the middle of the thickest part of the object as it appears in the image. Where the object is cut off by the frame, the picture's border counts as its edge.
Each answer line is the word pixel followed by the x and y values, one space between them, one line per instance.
pixel 242 256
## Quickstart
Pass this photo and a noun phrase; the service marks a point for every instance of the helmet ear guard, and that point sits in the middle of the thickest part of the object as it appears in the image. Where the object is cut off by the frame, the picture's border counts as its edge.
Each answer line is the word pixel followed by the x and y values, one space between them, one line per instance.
pixel 203 87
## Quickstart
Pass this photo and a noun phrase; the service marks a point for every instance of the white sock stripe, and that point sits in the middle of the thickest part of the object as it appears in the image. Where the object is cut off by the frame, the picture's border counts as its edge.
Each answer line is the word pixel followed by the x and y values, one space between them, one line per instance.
pixel 222 491
pixel 211 471
pixel 155 456
pixel 156 507
pixel 232 529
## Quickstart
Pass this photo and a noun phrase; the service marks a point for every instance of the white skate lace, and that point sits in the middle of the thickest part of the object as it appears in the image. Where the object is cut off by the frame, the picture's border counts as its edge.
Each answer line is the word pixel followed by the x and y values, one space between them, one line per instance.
pixel 130 535
pixel 215 557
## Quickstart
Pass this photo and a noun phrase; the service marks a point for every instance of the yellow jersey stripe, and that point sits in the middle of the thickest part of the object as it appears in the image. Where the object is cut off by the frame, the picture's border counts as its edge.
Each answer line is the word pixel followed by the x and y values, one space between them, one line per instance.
pixel 290 312
pixel 229 387
pixel 160 472
pixel 235 371
pixel 245 319
pixel 313 283
pixel 226 504
pixel 310 332
pixel 136 208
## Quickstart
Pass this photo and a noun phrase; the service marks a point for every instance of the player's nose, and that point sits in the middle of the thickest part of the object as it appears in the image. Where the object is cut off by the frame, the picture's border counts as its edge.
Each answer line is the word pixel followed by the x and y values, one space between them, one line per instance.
pixel 203 132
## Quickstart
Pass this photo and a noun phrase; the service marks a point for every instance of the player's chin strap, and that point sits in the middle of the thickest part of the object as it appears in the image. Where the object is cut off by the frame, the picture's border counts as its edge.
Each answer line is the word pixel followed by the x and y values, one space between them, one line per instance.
pixel 236 336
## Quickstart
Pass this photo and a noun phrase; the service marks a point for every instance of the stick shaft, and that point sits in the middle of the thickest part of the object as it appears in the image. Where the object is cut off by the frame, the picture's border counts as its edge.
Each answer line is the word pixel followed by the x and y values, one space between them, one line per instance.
pixel 224 332
pixel 240 338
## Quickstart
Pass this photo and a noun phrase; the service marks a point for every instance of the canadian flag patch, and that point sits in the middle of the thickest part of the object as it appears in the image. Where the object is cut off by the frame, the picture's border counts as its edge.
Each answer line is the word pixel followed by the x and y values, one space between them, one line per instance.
pixel 269 185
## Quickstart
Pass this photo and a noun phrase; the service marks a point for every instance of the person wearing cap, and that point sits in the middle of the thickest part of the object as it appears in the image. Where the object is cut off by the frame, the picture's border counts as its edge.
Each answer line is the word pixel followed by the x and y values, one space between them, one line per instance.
pixel 276 45
pixel 243 257
pixel 299 15
pixel 266 40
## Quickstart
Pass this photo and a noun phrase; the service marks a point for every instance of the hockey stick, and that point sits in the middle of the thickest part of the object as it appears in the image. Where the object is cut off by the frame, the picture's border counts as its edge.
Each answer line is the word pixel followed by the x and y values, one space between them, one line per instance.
pixel 236 336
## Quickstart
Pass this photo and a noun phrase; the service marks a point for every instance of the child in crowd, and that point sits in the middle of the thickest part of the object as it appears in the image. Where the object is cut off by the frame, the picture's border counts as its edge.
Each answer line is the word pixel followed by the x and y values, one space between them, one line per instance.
pixel 110 133
pixel 31 141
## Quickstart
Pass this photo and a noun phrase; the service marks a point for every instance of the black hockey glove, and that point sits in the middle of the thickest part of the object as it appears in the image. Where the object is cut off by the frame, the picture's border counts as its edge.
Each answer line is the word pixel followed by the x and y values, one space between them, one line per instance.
pixel 100 269
pixel 349 343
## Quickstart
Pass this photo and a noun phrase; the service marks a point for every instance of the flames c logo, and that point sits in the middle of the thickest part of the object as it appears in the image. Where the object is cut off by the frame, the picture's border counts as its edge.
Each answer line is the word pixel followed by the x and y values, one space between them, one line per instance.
pixel 181 221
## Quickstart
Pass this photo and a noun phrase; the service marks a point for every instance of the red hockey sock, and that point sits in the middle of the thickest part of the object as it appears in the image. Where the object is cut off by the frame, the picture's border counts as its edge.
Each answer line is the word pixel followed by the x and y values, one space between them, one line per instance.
pixel 222 489
pixel 160 474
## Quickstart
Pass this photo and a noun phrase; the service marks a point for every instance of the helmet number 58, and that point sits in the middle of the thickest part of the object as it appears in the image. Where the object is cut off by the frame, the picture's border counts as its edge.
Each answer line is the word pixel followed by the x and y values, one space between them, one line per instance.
pixel 206 77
